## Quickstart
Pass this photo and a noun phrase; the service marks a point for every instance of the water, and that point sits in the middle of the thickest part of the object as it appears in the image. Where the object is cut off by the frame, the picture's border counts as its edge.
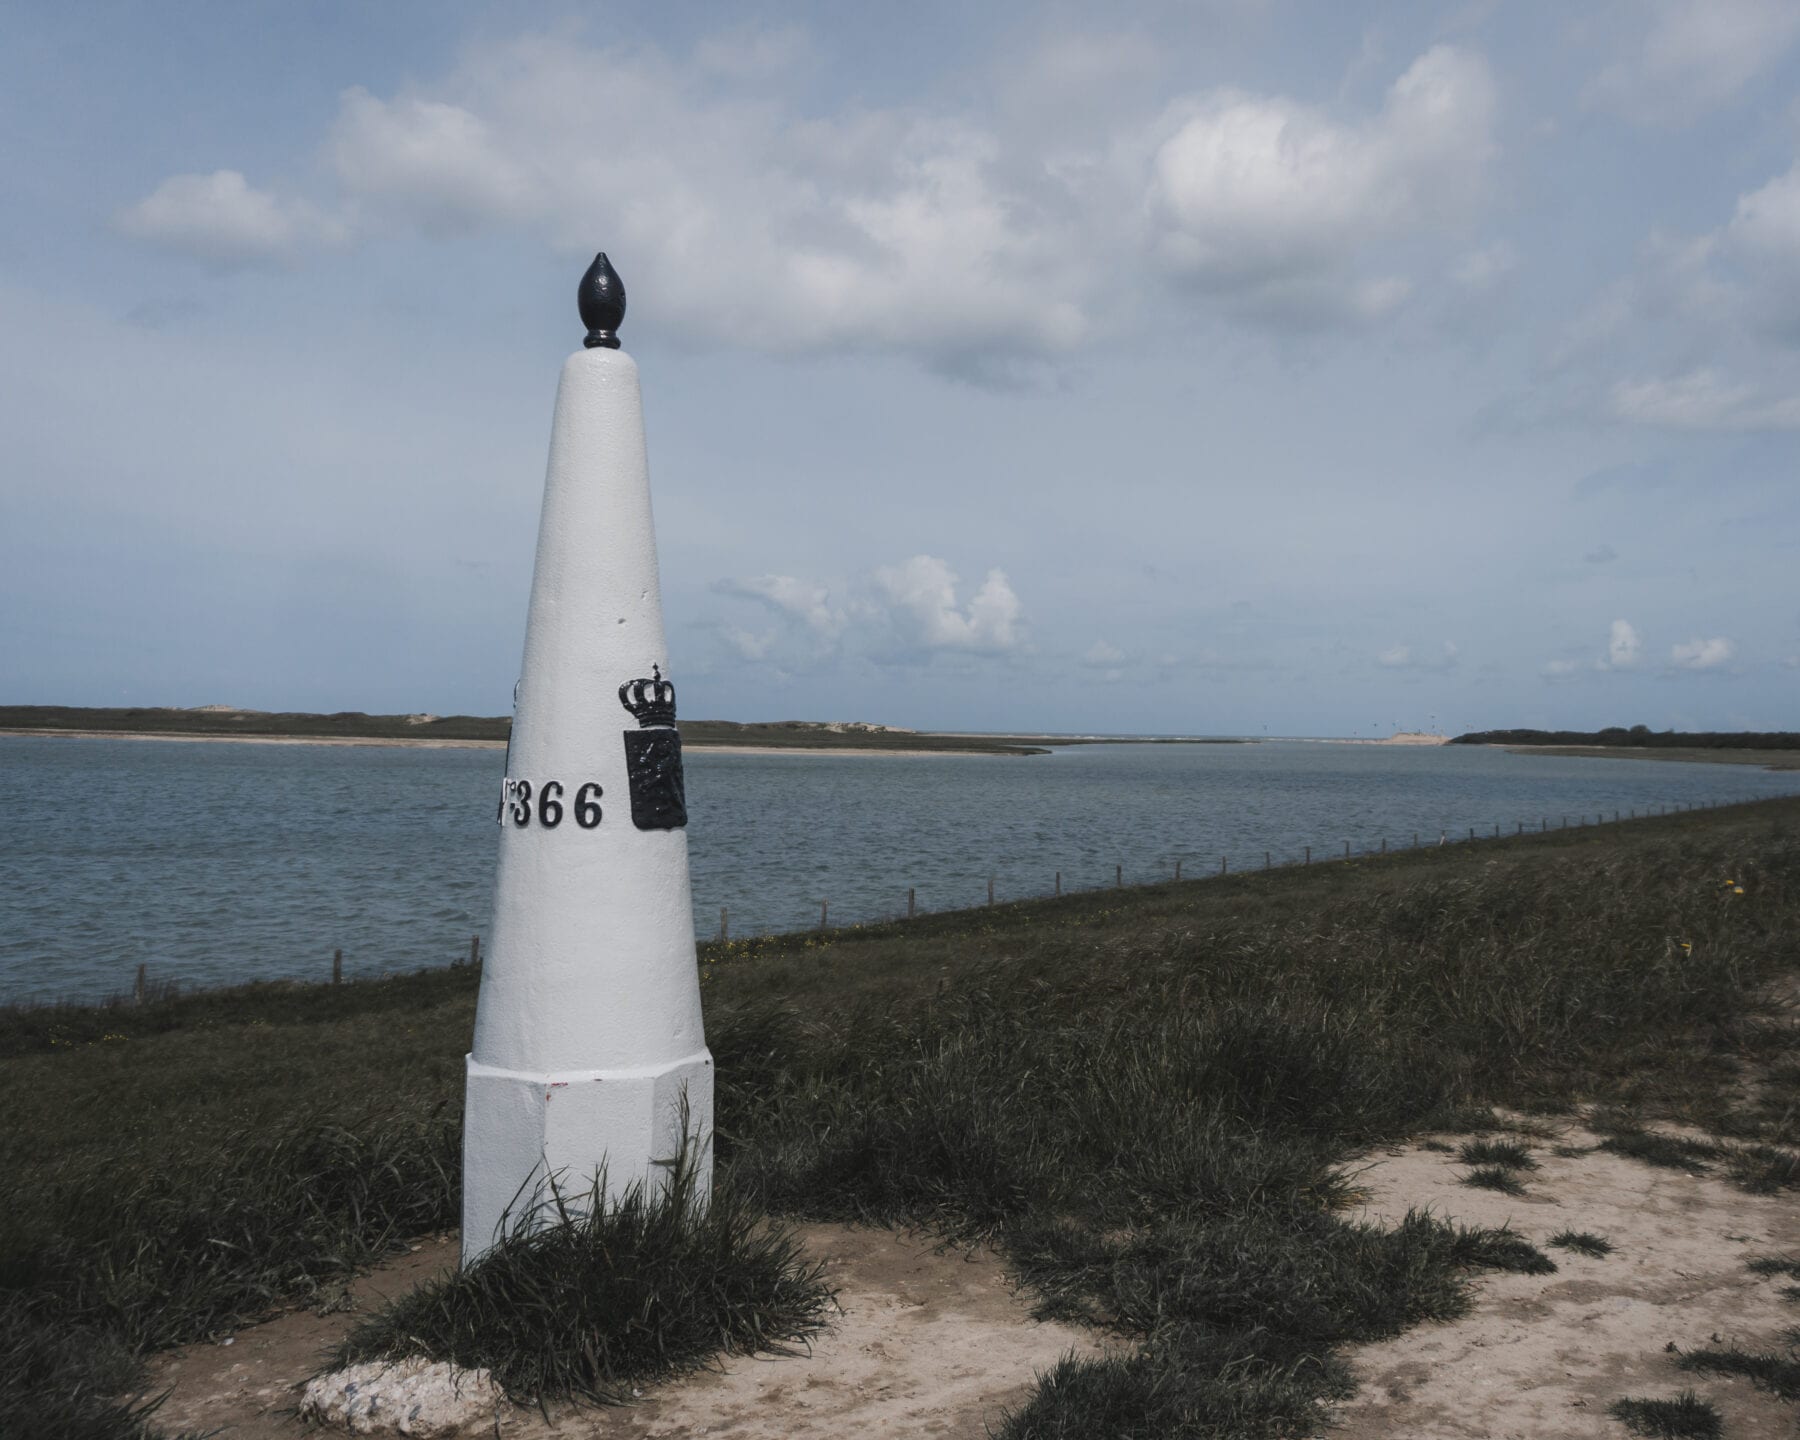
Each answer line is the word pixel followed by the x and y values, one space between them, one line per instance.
pixel 220 863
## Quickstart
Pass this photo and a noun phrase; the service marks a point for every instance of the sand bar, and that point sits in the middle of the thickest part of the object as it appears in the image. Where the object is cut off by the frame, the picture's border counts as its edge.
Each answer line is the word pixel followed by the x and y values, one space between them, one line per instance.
pixel 410 742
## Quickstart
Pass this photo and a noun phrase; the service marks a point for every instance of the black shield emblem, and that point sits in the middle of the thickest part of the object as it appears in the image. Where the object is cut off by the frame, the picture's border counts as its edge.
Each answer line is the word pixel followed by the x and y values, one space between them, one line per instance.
pixel 653 766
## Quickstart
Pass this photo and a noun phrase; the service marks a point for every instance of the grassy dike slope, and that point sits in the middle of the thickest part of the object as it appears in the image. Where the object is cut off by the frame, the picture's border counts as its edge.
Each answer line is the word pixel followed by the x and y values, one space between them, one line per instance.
pixel 1146 1098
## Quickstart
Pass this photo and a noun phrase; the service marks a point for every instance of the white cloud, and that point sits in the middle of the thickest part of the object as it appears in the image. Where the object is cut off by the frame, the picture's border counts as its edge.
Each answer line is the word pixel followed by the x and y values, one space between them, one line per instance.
pixel 980 239
pixel 1103 656
pixel 1403 657
pixel 1624 651
pixel 1694 56
pixel 746 645
pixel 921 595
pixel 438 163
pixel 1263 197
pixel 800 600
pixel 1601 554
pixel 1485 268
pixel 1702 654
pixel 898 229
pixel 1762 242
pixel 901 613
pixel 1702 400
pixel 1624 647
pixel 224 220
pixel 1710 324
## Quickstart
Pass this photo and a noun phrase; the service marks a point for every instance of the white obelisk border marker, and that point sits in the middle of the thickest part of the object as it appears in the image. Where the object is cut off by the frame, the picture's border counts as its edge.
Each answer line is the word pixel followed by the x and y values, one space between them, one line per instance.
pixel 588 1042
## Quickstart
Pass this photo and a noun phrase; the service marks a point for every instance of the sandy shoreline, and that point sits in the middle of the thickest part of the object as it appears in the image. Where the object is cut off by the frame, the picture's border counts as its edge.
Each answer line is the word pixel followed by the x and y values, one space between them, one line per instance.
pixel 408 742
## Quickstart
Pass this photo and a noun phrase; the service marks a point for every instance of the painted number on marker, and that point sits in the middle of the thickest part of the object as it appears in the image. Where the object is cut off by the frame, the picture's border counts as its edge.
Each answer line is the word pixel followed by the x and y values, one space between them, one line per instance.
pixel 522 803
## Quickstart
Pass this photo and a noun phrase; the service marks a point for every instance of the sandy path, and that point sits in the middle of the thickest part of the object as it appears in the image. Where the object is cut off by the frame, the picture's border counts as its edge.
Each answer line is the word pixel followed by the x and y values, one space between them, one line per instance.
pixel 1543 1356
pixel 928 1343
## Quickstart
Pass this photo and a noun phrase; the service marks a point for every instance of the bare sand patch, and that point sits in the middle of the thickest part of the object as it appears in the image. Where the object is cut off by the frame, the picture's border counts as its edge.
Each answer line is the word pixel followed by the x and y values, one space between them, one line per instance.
pixel 1544 1355
pixel 929 1342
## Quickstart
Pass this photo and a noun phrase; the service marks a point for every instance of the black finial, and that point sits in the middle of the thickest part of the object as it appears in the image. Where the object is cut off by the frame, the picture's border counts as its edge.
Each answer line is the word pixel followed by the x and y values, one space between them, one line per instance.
pixel 602 300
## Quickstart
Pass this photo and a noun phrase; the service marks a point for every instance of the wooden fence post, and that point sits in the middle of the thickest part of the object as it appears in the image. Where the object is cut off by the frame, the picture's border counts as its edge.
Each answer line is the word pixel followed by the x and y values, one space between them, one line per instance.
pixel 724 924
pixel 1221 864
pixel 911 902
pixel 1119 877
pixel 990 889
pixel 1267 862
pixel 475 950
pixel 138 988
pixel 1059 882
pixel 823 911
pixel 337 967
pixel 1177 867
pixel 1308 859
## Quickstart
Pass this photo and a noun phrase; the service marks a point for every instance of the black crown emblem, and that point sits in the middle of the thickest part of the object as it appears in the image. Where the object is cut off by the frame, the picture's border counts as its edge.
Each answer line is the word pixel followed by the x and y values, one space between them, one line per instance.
pixel 652 701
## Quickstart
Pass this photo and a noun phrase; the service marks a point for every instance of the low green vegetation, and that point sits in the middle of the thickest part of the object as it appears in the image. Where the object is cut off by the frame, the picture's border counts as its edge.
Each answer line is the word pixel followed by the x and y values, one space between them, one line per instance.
pixel 1640 737
pixel 1582 1242
pixel 1685 1416
pixel 1494 1177
pixel 1778 1372
pixel 1505 1154
pixel 587 1300
pixel 1151 1101
pixel 225 722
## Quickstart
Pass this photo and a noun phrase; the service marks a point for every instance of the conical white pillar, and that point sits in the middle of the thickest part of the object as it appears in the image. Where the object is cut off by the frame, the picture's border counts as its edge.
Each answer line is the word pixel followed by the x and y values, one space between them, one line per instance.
pixel 588 1042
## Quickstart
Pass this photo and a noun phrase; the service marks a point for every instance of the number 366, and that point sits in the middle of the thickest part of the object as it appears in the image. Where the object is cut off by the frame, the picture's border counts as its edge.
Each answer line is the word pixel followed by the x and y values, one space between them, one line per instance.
pixel 516 800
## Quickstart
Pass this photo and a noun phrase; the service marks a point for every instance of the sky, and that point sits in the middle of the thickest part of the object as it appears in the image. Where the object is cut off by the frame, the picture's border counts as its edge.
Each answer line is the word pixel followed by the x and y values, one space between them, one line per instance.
pixel 1221 367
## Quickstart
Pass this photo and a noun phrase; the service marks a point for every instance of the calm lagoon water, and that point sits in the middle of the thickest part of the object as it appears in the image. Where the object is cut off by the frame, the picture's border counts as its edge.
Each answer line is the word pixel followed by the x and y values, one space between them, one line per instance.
pixel 219 863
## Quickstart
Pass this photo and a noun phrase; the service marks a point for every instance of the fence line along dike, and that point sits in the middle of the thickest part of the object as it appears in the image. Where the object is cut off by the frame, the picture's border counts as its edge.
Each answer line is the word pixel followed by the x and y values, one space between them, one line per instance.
pixel 914 910
pixel 1379 850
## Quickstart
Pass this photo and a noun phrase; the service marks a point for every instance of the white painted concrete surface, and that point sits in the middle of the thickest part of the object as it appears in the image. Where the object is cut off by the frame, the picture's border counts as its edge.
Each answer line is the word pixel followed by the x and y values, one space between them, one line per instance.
pixel 588 1031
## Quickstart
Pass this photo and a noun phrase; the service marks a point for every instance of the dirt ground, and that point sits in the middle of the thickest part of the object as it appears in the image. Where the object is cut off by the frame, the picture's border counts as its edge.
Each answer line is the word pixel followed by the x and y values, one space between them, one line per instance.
pixel 1544 1355
pixel 929 1342
pixel 934 1342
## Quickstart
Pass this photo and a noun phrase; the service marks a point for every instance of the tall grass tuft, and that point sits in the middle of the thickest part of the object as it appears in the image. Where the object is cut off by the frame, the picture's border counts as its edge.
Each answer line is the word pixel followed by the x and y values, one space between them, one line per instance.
pixel 217 1234
pixel 1686 1417
pixel 1776 1372
pixel 582 1299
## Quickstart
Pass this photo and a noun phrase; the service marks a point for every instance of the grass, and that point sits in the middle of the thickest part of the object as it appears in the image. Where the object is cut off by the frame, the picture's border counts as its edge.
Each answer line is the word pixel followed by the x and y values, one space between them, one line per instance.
pixel 1583 1242
pixel 1494 1177
pixel 583 1299
pixel 1505 1154
pixel 1150 1100
pixel 1667 1152
pixel 1685 1415
pixel 1779 1374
